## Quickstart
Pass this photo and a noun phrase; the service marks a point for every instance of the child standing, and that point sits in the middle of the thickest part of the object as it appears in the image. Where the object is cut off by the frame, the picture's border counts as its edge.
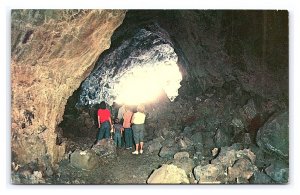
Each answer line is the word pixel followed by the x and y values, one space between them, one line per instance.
pixel 118 131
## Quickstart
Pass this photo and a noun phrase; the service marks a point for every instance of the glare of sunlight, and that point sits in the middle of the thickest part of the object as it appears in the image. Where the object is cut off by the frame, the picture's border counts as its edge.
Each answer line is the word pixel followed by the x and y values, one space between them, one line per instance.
pixel 143 84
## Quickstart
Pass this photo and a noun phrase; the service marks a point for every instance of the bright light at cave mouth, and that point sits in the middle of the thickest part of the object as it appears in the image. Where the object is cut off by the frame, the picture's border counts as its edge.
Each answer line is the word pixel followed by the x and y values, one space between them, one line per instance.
pixel 144 84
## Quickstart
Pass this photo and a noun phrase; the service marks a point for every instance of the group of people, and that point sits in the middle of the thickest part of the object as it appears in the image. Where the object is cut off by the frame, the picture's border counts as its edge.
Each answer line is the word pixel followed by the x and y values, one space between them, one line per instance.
pixel 127 124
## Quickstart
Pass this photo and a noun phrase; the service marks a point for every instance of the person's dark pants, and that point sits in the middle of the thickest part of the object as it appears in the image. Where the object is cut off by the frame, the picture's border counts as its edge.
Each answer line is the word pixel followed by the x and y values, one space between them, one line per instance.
pixel 117 138
pixel 138 133
pixel 104 131
pixel 128 137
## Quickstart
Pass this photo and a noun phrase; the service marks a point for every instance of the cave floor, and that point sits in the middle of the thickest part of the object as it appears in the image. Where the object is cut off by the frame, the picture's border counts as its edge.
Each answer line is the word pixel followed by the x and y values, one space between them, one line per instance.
pixel 125 168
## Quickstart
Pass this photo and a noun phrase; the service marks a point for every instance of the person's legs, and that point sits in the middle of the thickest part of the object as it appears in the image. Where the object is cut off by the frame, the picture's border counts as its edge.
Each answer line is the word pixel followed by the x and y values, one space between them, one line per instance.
pixel 101 133
pixel 126 138
pixel 130 137
pixel 107 129
pixel 141 145
pixel 118 139
pixel 136 138
pixel 141 138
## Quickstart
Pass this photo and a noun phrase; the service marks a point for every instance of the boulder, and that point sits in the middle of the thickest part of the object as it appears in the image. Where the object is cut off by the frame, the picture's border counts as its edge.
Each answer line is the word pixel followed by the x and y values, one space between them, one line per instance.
pixel 180 155
pixel 197 138
pixel 154 146
pixel 237 123
pixel 86 160
pixel 186 164
pixel 249 110
pixel 273 137
pixel 260 178
pixel 168 174
pixel 278 171
pixel 242 169
pixel 105 148
pixel 209 174
pixel 168 152
pixel 228 156
pixel 222 139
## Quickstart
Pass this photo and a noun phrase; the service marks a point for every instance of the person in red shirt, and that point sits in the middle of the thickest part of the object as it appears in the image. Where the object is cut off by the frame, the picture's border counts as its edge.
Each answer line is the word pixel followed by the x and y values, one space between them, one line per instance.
pixel 104 122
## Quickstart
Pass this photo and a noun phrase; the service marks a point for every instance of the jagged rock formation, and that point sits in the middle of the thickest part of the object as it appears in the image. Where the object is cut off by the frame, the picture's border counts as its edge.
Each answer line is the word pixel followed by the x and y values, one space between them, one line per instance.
pixel 52 52
pixel 147 51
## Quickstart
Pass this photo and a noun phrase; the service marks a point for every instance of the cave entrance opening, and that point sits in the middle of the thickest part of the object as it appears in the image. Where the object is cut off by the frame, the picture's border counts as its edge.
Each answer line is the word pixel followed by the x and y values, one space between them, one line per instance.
pixel 142 69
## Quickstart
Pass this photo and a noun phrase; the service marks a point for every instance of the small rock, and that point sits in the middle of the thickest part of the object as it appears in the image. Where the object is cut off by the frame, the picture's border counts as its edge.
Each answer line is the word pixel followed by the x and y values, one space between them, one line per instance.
pixel 214 151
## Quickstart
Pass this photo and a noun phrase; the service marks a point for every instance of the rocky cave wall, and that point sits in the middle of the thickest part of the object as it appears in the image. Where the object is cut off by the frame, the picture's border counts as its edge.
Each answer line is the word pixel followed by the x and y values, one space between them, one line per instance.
pixel 248 47
pixel 52 51
pixel 235 76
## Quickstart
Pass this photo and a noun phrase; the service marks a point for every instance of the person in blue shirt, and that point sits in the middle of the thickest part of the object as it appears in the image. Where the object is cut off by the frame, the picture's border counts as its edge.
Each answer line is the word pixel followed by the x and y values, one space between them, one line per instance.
pixel 118 132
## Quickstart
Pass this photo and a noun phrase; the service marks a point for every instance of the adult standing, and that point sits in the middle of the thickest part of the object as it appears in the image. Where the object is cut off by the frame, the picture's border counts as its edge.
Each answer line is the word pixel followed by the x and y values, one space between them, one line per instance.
pixel 104 122
pixel 127 127
pixel 121 112
pixel 138 127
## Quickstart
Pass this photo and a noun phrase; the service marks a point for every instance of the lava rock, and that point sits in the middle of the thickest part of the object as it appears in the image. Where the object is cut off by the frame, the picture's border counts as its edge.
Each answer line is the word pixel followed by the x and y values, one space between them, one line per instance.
pixel 167 152
pixel 278 171
pixel 209 174
pixel 153 146
pixel 186 164
pixel 181 155
pixel 105 148
pixel 273 137
pixel 168 174
pixel 249 110
pixel 260 178
pixel 242 169
pixel 86 160
pixel 222 139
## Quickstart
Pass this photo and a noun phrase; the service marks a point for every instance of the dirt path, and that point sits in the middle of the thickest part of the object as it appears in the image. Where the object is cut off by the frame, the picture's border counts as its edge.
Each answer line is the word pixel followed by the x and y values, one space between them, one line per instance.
pixel 126 168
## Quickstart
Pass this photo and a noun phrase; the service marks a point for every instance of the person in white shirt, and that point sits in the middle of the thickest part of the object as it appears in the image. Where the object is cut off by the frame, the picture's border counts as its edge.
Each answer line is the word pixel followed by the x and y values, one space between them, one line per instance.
pixel 138 127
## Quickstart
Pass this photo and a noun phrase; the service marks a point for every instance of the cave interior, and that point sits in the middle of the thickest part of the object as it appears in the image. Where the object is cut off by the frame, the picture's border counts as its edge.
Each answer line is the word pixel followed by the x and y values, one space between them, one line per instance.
pixel 224 84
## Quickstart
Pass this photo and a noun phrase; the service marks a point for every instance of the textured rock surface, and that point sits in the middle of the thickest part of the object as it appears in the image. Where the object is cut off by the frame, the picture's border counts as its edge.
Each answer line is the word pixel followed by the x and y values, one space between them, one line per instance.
pixel 186 164
pixel 52 51
pixel 274 135
pixel 209 174
pixel 167 152
pixel 168 174
pixel 242 169
pixel 86 160
pixel 260 178
pixel 230 166
pixel 181 155
pixel 148 50
pixel 278 171
pixel 105 148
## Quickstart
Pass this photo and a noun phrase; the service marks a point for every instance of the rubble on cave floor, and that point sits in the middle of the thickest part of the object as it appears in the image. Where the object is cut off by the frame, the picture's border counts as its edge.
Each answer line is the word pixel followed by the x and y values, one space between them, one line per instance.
pixel 211 143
